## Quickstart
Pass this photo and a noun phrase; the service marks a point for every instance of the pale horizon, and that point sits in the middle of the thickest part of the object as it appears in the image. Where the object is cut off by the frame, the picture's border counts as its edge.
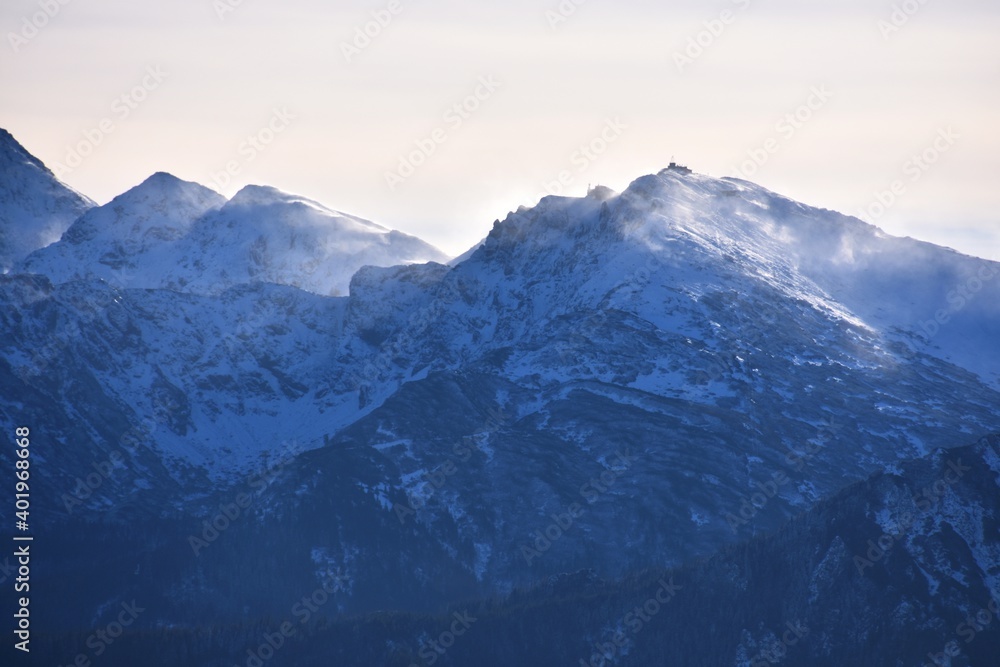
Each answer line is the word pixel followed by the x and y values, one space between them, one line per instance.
pixel 536 86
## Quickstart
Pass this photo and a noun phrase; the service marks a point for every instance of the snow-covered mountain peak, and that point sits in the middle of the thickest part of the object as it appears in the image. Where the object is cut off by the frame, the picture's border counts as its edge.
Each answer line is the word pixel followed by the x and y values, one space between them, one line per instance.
pixel 35 207
pixel 173 234
pixel 262 195
pixel 161 178
pixel 161 208
pixel 263 207
pixel 733 207
pixel 163 188
pixel 677 232
pixel 266 195
pixel 13 153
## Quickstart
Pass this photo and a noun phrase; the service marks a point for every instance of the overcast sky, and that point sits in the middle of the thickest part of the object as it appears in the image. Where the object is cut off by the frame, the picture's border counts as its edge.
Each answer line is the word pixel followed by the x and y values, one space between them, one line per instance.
pixel 181 85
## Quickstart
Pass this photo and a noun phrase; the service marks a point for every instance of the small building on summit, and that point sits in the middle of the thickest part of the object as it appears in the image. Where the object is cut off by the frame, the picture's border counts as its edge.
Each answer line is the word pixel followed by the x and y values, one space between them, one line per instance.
pixel 680 169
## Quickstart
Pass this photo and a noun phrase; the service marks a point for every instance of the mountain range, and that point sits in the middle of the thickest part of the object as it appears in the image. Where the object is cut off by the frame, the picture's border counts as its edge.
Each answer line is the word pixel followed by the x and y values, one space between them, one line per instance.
pixel 170 234
pixel 242 402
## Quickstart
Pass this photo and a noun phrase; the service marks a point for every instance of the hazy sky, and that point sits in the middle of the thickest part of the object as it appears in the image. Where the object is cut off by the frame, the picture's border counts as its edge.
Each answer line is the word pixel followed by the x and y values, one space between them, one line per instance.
pixel 181 85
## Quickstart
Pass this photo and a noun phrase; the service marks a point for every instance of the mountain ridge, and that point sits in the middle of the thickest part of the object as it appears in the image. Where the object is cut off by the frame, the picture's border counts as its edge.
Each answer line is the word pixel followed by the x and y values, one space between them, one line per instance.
pixel 795 595
pixel 179 235
pixel 35 206
pixel 421 432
